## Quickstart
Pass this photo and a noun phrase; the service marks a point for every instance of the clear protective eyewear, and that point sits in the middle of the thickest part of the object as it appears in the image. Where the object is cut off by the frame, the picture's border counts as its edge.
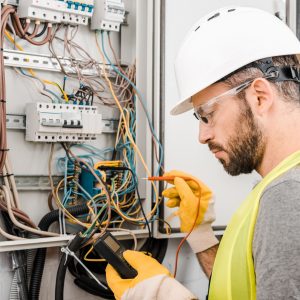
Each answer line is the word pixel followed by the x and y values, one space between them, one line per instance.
pixel 204 112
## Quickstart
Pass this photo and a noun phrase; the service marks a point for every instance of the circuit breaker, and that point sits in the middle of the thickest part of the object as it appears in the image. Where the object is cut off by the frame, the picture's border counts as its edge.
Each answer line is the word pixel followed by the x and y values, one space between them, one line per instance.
pixel 50 122
pixel 108 15
pixel 57 11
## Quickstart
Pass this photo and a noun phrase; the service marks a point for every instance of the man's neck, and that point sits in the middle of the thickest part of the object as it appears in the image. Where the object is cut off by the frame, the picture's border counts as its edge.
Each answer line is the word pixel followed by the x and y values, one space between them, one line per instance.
pixel 285 142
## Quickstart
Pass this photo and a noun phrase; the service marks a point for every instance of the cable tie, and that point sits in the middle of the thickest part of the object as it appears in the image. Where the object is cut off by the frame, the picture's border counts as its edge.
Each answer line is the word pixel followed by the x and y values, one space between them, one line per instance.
pixel 67 251
pixel 4 150
pixel 3 101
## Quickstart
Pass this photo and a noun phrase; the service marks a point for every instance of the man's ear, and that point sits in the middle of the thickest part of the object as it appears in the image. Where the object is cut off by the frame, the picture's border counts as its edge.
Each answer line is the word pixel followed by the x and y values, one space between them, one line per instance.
pixel 261 96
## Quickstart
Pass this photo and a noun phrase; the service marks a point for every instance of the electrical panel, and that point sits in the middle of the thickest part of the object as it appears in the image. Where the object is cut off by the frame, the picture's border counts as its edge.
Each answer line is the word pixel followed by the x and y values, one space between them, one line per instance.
pixel 57 11
pixel 66 85
pixel 108 15
pixel 50 122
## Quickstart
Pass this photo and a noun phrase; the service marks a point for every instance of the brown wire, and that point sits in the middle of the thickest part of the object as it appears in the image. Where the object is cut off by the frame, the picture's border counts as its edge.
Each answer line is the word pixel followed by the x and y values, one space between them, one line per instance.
pixel 6 11
pixel 22 32
pixel 115 56
pixel 20 215
pixel 35 31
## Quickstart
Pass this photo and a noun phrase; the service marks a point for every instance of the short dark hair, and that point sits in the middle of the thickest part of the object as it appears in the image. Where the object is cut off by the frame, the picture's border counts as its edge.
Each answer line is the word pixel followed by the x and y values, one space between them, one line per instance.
pixel 288 90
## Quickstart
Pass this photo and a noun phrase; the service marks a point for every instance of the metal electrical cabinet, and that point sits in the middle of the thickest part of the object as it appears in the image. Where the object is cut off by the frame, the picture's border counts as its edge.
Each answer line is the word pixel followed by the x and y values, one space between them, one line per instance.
pixel 150 36
pixel 34 123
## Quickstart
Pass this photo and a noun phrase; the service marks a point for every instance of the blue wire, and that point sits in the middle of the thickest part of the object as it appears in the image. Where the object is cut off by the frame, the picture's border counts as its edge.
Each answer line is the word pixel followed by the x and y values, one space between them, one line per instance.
pixel 146 111
pixel 45 89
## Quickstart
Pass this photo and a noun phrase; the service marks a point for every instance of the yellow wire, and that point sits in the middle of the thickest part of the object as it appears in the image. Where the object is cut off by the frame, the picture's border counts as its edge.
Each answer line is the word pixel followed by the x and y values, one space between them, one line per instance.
pixel 59 204
pixel 32 73
pixel 92 259
pixel 152 212
pixel 87 225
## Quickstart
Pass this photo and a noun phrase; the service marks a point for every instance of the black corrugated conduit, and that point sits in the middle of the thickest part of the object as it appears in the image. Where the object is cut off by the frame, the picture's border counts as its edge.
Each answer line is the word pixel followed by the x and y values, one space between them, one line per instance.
pixel 39 261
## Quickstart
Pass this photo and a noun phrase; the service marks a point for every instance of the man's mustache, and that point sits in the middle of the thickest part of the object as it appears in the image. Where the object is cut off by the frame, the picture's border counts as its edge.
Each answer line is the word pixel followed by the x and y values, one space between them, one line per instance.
pixel 213 147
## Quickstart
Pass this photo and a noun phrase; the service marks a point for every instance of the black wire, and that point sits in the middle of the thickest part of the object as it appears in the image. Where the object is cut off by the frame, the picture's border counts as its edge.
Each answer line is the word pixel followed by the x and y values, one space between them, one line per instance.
pixel 137 191
pixel 67 151
pixel 119 169
pixel 85 93
pixel 74 160
pixel 23 22
pixel 42 31
pixel 82 279
pixel 74 245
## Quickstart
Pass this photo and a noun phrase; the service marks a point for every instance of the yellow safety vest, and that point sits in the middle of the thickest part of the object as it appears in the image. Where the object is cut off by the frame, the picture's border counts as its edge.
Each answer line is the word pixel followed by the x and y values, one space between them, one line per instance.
pixel 233 276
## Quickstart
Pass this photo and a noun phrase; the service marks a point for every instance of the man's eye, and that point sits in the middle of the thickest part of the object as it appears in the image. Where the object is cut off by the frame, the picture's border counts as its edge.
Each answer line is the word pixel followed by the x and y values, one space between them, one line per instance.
pixel 204 120
pixel 207 118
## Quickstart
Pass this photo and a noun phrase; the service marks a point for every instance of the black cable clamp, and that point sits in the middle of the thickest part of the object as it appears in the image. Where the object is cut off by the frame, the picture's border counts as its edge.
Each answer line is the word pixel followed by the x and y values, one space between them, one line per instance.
pixel 6 175
pixel 3 101
pixel 295 73
pixel 4 150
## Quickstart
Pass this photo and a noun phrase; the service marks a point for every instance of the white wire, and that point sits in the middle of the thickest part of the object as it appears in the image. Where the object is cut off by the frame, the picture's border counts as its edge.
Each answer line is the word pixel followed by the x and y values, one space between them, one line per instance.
pixel 8 201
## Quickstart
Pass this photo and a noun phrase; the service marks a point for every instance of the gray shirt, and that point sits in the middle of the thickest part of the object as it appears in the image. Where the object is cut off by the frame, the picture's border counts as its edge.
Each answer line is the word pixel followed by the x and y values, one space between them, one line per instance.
pixel 276 242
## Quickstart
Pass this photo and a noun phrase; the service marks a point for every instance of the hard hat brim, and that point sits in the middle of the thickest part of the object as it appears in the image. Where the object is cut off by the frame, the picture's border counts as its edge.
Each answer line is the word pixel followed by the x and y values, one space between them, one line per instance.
pixel 182 107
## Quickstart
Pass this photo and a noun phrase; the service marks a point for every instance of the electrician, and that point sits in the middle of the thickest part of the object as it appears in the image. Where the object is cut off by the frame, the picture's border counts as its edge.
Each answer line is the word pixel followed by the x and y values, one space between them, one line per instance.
pixel 238 70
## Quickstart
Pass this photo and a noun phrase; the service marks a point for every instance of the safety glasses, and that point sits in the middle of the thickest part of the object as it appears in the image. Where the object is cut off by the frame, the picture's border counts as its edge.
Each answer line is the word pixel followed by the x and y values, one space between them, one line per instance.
pixel 204 112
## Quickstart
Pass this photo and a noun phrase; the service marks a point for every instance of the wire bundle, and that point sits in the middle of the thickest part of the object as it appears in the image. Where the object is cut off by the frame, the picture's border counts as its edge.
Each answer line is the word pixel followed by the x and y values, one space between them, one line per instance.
pixel 117 205
pixel 8 12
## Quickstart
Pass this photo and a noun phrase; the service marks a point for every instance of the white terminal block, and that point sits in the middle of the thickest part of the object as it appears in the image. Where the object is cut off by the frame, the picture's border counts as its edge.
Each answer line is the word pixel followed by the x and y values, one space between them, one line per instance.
pixel 75 12
pixel 108 15
pixel 54 122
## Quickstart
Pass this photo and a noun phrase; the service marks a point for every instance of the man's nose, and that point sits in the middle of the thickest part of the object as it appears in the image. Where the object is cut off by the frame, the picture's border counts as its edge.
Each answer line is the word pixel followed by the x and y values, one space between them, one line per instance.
pixel 205 133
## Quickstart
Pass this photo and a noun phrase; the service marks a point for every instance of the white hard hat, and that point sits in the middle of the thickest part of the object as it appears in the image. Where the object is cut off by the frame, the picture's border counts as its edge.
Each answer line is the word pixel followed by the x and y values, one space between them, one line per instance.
pixel 224 41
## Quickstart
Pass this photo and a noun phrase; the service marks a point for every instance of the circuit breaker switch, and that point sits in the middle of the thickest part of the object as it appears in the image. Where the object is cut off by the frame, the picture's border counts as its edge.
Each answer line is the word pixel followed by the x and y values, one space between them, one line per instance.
pixel 62 122
pixel 54 11
pixel 72 120
pixel 53 120
pixel 108 15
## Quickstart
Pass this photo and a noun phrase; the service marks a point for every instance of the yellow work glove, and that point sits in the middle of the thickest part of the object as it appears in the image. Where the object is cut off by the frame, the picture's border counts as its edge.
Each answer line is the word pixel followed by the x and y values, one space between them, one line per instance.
pixel 146 267
pixel 185 194
pixel 152 282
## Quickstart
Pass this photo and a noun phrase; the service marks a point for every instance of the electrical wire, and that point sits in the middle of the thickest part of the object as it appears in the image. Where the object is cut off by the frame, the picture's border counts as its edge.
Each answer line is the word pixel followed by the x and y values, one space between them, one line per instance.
pixel 99 180
pixel 129 135
pixel 6 11
pixel 188 234
pixel 138 94
pixel 33 74
pixel 6 196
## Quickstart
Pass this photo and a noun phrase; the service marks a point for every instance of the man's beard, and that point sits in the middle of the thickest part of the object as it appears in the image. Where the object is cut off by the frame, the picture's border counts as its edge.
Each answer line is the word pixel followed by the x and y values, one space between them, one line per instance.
pixel 245 148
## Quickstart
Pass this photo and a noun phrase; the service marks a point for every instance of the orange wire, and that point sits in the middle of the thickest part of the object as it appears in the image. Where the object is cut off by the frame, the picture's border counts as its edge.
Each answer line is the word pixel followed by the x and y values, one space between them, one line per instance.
pixel 169 178
pixel 185 238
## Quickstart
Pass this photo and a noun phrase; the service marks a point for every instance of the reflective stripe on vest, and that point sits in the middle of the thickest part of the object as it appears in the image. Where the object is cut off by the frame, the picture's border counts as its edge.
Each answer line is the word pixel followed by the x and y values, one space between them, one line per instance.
pixel 233 276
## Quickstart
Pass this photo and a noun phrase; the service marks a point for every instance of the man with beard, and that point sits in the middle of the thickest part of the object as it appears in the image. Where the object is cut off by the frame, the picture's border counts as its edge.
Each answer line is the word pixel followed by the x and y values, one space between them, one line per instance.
pixel 239 71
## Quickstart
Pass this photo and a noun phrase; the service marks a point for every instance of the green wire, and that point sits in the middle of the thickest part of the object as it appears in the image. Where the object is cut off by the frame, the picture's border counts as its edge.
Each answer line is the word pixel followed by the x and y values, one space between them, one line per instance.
pixel 89 230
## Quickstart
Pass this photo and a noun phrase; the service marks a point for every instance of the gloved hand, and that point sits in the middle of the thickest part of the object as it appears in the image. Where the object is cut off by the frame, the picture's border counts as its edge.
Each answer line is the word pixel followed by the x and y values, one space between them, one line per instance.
pixel 153 281
pixel 185 194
